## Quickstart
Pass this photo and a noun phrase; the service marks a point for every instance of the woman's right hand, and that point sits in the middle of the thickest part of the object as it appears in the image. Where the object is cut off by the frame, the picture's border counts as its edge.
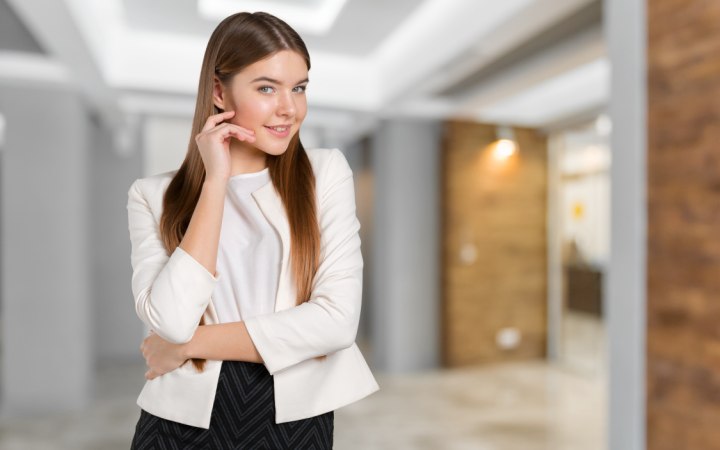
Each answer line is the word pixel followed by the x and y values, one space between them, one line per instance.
pixel 214 144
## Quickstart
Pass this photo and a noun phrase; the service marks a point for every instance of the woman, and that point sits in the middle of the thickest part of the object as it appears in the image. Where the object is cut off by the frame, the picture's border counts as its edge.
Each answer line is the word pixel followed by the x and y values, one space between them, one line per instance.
pixel 246 262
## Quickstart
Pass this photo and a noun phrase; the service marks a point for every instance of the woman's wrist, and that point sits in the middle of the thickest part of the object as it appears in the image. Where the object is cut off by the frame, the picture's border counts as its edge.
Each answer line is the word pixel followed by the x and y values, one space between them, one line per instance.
pixel 221 341
pixel 215 184
pixel 189 348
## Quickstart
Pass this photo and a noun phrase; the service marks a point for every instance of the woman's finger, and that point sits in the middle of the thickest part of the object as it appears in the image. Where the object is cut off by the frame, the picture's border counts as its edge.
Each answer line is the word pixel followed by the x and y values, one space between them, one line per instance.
pixel 247 131
pixel 215 119
pixel 237 132
pixel 222 131
pixel 242 135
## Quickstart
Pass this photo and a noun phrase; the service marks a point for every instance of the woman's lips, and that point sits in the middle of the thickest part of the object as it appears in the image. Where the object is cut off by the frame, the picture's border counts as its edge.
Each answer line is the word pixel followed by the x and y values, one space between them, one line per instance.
pixel 281 134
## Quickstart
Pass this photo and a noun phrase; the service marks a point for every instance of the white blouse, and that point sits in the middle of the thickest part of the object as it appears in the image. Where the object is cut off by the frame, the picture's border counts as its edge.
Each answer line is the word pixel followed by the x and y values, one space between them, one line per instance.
pixel 248 254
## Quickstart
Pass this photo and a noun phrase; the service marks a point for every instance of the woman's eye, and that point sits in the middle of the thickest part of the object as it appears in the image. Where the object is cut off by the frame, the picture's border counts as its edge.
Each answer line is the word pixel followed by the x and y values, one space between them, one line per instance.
pixel 270 89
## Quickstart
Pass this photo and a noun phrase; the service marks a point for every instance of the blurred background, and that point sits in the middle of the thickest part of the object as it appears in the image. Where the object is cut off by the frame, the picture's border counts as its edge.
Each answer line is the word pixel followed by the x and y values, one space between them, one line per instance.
pixel 540 258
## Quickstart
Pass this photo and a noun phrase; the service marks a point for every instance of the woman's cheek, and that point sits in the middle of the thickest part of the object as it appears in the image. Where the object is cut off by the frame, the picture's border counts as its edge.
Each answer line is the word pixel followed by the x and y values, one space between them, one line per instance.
pixel 246 120
pixel 254 115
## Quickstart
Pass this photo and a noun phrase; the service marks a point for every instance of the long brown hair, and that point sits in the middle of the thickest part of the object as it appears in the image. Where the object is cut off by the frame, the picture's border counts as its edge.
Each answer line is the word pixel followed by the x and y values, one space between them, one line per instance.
pixel 238 41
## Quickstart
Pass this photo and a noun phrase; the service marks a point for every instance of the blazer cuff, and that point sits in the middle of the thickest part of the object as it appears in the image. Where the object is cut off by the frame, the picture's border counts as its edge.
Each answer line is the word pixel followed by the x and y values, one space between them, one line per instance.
pixel 264 345
pixel 179 297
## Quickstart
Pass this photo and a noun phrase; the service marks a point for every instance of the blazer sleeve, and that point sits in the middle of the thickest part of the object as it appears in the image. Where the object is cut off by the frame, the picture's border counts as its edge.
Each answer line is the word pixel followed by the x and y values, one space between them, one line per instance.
pixel 328 321
pixel 171 292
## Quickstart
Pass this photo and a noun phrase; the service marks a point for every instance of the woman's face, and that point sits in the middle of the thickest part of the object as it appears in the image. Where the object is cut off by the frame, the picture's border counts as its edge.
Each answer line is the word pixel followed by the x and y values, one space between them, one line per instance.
pixel 267 96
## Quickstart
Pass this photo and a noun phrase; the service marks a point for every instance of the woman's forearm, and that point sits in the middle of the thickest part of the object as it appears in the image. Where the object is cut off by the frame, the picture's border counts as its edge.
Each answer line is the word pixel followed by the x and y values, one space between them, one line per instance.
pixel 224 341
pixel 203 233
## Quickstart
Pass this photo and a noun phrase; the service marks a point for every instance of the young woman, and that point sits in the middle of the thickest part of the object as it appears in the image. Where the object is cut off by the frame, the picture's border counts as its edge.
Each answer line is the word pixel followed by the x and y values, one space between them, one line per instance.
pixel 246 262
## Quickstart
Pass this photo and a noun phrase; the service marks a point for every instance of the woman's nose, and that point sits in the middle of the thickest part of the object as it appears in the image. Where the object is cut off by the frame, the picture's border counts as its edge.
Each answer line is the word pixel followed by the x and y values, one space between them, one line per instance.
pixel 286 105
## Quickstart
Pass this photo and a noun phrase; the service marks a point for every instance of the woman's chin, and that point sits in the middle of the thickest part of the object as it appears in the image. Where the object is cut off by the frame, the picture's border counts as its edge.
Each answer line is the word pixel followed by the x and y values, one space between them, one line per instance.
pixel 263 147
pixel 274 150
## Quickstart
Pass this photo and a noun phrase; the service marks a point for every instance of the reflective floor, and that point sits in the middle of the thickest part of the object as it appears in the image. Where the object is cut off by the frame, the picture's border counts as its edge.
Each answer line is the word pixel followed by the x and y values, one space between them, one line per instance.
pixel 512 406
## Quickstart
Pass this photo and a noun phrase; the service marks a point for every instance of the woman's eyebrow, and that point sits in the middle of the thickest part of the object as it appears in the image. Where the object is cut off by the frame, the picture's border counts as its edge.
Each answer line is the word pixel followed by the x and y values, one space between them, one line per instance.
pixel 276 81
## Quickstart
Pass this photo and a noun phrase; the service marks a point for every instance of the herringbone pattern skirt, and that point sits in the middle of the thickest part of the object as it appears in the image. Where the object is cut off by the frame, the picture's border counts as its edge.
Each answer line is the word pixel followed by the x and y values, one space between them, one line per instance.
pixel 243 417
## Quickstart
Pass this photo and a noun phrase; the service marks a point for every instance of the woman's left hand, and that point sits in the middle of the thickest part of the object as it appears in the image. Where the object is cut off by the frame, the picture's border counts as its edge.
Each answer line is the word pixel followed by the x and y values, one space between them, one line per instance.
pixel 161 356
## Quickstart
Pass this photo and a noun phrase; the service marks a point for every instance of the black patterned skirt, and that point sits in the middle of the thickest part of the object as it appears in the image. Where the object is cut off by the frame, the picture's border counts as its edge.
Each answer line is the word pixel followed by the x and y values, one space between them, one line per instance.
pixel 243 417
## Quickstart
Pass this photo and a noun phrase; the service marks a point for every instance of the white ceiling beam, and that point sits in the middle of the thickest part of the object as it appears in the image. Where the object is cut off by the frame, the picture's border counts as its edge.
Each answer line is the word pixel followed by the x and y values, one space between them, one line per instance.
pixel 573 92
pixel 434 34
pixel 479 51
pixel 583 48
pixel 32 68
pixel 52 24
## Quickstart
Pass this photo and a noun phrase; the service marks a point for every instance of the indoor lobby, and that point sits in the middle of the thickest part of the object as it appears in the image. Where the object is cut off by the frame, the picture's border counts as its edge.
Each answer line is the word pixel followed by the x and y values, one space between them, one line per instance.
pixel 535 182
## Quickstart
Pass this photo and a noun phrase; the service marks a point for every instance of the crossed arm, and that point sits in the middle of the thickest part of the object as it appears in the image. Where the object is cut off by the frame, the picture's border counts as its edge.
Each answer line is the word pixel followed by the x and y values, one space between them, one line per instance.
pixel 225 341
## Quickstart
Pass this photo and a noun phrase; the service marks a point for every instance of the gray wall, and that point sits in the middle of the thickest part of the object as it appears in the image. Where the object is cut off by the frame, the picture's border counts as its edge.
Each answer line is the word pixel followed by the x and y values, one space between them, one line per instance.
pixel 46 296
pixel 405 311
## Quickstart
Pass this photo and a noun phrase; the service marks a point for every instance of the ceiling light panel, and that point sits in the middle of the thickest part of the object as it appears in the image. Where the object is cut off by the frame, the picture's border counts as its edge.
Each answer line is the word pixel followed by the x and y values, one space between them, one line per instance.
pixel 315 17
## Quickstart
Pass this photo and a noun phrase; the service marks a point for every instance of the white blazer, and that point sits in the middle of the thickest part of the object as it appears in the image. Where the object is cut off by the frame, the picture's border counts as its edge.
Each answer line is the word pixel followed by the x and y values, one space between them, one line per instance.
pixel 171 293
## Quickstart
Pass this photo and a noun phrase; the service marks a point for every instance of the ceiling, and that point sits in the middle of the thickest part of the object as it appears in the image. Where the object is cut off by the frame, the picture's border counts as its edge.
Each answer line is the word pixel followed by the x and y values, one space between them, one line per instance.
pixel 535 63
pixel 360 27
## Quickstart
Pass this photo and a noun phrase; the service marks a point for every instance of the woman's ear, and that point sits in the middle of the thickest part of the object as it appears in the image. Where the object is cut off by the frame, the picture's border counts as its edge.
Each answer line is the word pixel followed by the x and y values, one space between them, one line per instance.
pixel 218 95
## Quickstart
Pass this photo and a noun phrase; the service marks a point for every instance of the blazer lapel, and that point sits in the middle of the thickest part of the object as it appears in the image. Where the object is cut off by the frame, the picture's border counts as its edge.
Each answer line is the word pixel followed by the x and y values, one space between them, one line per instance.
pixel 273 209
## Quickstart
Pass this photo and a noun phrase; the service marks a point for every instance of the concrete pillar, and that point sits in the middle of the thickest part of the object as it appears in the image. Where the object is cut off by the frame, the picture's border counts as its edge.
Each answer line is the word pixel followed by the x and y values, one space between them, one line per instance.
pixel 405 334
pixel 626 282
pixel 117 329
pixel 358 157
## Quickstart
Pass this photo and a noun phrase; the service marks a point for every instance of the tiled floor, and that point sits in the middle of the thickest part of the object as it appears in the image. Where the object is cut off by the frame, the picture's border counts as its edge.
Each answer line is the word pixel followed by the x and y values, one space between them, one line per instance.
pixel 584 343
pixel 517 406
pixel 513 406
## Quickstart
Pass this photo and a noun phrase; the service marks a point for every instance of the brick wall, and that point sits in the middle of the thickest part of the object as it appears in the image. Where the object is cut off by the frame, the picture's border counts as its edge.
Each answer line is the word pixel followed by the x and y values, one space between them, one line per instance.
pixel 498 211
pixel 683 311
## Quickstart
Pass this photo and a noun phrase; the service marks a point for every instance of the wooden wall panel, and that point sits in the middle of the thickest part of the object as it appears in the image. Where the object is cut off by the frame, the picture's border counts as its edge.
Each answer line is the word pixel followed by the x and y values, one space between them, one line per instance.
pixel 500 208
pixel 683 311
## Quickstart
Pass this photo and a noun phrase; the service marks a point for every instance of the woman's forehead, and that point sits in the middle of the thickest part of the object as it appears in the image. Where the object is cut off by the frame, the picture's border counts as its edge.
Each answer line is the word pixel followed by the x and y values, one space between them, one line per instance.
pixel 285 67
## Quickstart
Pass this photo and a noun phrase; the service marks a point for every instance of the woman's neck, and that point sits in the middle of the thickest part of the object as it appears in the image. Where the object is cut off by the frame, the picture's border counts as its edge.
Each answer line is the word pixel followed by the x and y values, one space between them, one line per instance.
pixel 246 160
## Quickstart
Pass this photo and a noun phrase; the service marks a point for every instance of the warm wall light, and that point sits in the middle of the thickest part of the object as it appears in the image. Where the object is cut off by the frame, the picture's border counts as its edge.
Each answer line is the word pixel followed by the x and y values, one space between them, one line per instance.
pixel 505 146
